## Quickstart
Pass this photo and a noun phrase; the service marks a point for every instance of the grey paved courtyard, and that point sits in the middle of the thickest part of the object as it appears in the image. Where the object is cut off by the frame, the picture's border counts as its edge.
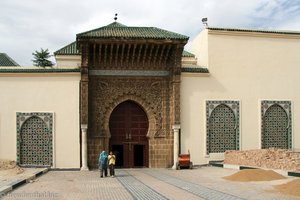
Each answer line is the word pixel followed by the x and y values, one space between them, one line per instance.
pixel 200 183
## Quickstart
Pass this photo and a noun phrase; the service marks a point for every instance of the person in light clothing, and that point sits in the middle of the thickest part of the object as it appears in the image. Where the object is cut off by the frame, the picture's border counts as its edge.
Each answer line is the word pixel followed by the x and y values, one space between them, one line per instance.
pixel 111 163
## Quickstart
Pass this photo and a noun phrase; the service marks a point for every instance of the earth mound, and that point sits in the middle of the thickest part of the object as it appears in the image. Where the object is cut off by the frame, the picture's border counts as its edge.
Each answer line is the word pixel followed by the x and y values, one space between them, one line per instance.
pixel 247 175
pixel 11 166
pixel 291 188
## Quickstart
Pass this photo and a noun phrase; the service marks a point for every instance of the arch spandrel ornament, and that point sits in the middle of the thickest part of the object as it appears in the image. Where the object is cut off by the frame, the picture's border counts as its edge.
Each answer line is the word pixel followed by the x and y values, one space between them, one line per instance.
pixel 108 93
pixel 109 111
pixel 23 117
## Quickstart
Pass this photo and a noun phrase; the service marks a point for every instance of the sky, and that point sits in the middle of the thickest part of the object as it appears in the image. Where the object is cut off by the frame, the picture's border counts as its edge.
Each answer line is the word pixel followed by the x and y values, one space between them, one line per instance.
pixel 29 25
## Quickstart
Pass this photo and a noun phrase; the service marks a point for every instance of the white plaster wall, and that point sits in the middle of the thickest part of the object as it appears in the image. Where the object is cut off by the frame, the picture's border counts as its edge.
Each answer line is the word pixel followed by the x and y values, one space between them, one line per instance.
pixel 68 61
pixel 249 68
pixel 201 50
pixel 57 93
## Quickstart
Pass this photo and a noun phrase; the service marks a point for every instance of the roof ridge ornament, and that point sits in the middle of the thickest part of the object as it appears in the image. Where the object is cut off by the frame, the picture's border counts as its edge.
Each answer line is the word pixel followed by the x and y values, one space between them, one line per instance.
pixel 115 18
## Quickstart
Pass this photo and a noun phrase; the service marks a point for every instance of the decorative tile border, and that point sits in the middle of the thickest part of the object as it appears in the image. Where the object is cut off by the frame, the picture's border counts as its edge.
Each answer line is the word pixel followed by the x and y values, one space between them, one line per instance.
pixel 194 69
pixel 47 119
pixel 234 107
pixel 128 73
pixel 38 70
pixel 283 105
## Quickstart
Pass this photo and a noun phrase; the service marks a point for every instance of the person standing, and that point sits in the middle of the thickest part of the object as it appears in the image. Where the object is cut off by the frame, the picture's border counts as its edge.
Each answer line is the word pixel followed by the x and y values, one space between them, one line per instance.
pixel 111 162
pixel 103 164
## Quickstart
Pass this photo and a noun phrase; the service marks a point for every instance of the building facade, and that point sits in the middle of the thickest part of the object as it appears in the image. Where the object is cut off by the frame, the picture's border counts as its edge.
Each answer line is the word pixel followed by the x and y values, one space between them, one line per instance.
pixel 130 93
pixel 249 100
pixel 134 90
pixel 39 116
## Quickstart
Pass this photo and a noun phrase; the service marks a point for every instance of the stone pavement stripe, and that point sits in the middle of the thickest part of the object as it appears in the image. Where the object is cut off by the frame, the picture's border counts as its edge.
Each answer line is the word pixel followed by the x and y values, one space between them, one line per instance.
pixel 165 189
pixel 37 174
pixel 136 188
pixel 198 190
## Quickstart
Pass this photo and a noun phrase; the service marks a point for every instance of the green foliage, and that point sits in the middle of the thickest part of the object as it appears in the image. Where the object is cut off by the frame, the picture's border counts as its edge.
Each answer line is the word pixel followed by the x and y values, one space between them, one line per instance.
pixel 41 58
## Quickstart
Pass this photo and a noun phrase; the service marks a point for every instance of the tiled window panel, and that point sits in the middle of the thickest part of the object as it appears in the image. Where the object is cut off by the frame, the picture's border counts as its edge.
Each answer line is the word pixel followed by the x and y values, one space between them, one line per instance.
pixel 276 124
pixel 34 134
pixel 222 126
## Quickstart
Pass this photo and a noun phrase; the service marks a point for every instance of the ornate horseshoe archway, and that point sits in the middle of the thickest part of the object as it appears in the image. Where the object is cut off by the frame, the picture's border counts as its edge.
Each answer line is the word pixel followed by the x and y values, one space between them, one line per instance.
pixel 128 125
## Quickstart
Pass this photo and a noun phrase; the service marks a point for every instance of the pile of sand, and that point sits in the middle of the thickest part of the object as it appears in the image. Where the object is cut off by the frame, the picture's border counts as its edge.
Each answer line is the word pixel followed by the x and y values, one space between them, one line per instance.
pixel 254 175
pixel 11 166
pixel 291 188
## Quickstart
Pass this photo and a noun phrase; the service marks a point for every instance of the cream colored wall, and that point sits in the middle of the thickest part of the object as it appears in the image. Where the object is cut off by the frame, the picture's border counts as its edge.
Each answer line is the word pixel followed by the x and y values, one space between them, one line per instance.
pixel 57 93
pixel 68 60
pixel 249 68
pixel 201 50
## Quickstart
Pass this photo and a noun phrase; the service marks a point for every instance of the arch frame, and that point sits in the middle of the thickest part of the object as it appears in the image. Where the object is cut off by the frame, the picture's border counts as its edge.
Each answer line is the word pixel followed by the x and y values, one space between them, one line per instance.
pixel 286 105
pixel 145 141
pixel 149 94
pixel 153 94
pixel 47 118
pixel 234 106
pixel 140 102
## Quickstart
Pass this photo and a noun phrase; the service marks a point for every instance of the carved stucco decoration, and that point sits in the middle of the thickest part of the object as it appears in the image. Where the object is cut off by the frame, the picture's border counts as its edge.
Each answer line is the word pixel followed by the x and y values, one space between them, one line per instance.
pixel 107 93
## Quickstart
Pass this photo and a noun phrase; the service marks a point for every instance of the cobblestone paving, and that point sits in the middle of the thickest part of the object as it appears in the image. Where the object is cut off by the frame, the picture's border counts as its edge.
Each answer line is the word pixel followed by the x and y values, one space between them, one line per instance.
pixel 167 190
pixel 202 183
pixel 138 189
pixel 198 190
pixel 212 177
pixel 6 180
pixel 71 185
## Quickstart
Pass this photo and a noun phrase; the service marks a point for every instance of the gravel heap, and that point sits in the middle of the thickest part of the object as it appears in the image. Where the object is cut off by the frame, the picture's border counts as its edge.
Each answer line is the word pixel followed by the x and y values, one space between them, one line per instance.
pixel 254 175
pixel 291 188
pixel 11 166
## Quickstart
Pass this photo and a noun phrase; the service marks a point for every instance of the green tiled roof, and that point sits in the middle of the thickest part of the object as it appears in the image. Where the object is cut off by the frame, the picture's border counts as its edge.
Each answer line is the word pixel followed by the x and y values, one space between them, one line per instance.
pixel 118 30
pixel 5 60
pixel 70 49
pixel 194 69
pixel 38 70
pixel 187 54
pixel 70 70
pixel 287 32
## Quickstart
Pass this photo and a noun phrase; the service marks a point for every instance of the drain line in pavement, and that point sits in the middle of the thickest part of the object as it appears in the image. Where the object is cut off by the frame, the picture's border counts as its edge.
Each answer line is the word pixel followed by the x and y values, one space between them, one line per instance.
pixel 136 188
pixel 193 188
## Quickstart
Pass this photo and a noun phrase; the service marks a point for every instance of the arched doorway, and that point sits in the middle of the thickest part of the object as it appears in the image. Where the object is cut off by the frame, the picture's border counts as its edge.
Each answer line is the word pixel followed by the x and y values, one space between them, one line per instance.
pixel 128 126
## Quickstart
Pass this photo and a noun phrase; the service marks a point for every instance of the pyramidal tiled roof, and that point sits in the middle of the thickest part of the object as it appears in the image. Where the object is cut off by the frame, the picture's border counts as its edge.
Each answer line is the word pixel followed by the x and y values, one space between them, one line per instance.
pixel 70 49
pixel 187 54
pixel 118 30
pixel 5 60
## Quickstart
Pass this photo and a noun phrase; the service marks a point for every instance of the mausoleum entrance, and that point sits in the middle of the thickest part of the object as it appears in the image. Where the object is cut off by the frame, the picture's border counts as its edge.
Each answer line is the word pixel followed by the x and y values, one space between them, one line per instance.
pixel 128 125
pixel 129 94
